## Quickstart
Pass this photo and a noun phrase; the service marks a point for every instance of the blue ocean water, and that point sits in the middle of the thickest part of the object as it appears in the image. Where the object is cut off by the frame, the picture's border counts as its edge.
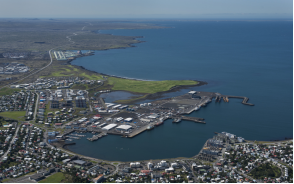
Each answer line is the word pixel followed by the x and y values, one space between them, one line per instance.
pixel 242 58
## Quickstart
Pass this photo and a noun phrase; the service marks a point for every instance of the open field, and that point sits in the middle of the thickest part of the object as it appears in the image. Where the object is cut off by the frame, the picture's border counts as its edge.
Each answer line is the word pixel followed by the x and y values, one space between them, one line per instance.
pixel 146 86
pixel 38 36
pixel 17 115
pixel 55 178
pixel 43 34
pixel 69 71
pixel 7 91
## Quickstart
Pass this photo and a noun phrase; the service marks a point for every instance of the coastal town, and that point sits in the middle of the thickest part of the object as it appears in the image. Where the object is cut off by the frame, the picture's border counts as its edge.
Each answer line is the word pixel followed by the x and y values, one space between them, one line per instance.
pixel 56 113
pixel 28 157
pixel 171 107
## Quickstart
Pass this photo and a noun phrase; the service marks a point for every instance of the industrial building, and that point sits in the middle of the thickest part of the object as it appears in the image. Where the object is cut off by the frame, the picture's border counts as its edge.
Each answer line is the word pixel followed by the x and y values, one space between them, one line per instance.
pixel 54 104
pixel 59 55
pixel 124 127
pixel 109 127
pixel 13 68
pixel 79 162
pixel 214 143
pixel 81 102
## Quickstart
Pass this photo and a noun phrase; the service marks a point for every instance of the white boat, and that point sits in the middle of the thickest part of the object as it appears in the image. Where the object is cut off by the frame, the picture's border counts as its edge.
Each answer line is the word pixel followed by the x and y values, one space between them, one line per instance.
pixel 150 127
pixel 197 108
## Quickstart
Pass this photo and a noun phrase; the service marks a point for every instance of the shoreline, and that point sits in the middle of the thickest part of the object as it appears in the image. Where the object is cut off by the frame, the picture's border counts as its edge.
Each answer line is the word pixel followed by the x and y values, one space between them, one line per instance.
pixel 152 96
pixel 148 96
pixel 155 96
pixel 66 145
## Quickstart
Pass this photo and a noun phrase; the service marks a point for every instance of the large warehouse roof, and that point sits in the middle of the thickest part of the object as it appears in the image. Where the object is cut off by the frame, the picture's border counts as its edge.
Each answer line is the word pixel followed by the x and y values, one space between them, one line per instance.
pixel 124 127
pixel 129 119
pixel 110 126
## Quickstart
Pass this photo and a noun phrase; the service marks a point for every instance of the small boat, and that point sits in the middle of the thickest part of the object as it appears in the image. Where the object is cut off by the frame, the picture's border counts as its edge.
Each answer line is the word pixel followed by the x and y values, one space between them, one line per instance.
pixel 177 120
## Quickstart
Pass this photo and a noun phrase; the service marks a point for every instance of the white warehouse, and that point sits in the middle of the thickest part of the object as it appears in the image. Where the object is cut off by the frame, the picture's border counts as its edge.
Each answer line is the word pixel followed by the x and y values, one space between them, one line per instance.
pixel 124 127
pixel 109 127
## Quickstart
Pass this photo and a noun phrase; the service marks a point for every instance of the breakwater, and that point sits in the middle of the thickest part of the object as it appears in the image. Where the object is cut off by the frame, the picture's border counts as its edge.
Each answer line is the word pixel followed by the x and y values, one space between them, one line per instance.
pixel 245 99
pixel 194 119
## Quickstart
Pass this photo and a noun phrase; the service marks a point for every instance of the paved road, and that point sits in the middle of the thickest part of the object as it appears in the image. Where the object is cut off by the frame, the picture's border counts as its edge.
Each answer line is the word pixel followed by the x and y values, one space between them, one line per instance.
pixel 51 60
pixel 36 106
pixel 5 154
pixel 22 179
pixel 116 169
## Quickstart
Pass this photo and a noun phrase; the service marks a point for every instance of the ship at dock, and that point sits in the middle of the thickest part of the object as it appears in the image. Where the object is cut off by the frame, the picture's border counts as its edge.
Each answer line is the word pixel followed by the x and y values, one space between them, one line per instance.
pixel 177 120
pixel 159 123
pixel 150 127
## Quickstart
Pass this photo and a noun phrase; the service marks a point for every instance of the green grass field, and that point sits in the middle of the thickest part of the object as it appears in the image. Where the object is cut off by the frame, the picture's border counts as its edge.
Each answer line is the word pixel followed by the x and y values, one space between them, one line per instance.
pixel 70 70
pixel 7 91
pixel 146 86
pixel 55 178
pixel 17 115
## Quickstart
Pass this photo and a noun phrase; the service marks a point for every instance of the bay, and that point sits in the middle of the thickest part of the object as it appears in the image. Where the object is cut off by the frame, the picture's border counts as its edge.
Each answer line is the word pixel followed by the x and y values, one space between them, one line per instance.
pixel 242 58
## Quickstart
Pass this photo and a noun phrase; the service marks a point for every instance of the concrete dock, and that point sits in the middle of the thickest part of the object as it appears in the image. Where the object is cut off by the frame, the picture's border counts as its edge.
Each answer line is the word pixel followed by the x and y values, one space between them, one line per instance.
pixel 194 119
pixel 96 137
pixel 138 131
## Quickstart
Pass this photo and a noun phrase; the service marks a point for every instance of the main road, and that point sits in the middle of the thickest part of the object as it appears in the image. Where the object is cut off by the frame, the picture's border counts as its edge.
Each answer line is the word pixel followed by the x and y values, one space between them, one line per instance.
pixel 5 154
pixel 51 60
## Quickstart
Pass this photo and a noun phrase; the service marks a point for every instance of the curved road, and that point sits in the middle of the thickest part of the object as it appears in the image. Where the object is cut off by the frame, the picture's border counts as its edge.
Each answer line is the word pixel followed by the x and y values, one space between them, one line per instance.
pixel 51 60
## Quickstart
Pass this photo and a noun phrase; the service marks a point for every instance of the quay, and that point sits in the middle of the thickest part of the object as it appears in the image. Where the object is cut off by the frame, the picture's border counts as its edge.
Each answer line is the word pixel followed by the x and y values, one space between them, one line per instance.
pixel 137 132
pixel 191 110
pixel 178 108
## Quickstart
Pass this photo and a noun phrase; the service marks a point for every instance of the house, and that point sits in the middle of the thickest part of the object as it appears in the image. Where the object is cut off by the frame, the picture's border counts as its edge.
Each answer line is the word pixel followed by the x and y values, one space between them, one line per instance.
pixel 145 172
pixel 98 179
pixel 79 162
pixel 156 175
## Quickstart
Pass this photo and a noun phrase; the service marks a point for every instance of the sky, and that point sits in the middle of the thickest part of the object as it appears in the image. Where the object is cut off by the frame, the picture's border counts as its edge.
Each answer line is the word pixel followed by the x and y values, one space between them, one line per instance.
pixel 197 9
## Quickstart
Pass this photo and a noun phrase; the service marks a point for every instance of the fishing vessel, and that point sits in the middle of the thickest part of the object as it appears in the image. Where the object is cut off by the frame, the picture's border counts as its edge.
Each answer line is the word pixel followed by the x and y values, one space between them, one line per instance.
pixel 150 127
pixel 159 123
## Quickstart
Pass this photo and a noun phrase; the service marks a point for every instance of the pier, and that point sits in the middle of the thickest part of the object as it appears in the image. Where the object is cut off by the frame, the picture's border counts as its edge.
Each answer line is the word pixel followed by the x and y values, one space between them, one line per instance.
pixel 66 133
pixel 194 119
pixel 245 99
pixel 96 137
